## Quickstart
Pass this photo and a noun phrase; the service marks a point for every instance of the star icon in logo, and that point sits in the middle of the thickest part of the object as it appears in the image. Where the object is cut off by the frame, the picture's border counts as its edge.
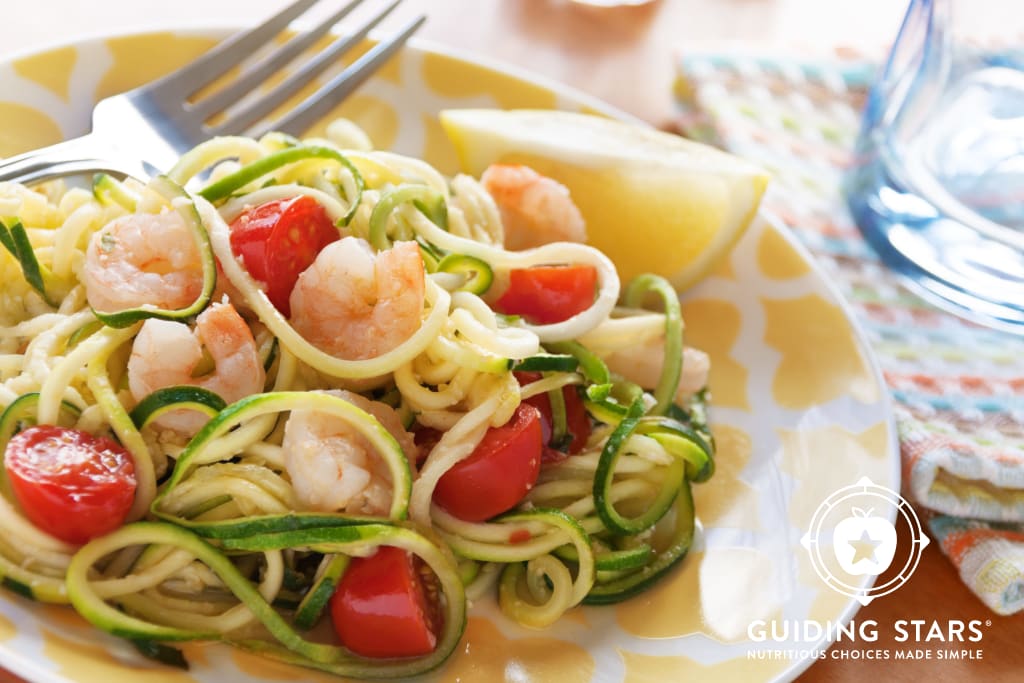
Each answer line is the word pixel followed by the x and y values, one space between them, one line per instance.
pixel 864 547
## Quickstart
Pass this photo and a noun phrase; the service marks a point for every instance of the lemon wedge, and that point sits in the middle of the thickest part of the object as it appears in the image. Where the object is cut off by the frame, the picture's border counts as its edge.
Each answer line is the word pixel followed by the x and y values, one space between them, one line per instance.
pixel 653 202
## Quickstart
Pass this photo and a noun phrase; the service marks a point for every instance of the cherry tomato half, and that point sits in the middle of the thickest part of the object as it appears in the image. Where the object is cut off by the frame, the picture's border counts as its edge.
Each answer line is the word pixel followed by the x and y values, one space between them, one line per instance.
pixel 380 608
pixel 549 294
pixel 72 485
pixel 576 418
pixel 280 239
pixel 498 473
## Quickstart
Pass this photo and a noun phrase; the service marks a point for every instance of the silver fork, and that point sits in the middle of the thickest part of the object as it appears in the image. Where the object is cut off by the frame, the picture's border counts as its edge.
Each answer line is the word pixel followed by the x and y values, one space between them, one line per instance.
pixel 143 131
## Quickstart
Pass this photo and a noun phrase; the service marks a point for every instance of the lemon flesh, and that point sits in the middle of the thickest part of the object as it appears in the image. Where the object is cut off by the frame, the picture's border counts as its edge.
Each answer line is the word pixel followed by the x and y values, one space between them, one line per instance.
pixel 652 201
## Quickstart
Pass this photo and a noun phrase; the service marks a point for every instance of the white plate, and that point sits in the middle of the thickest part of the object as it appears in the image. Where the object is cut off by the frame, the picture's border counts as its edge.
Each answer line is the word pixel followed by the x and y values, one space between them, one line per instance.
pixel 800 411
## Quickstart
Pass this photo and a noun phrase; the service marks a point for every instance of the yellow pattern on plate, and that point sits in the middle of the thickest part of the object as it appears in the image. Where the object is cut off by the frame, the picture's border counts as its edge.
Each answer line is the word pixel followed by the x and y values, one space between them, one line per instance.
pixel 375 116
pixel 51 70
pixel 455 79
pixel 654 669
pixel 24 128
pixel 850 456
pixel 729 377
pixel 734 586
pixel 144 58
pixel 778 260
pixel 8 629
pixel 821 361
pixel 437 146
pixel 490 656
pixel 724 270
pixel 256 666
pixel 727 500
pixel 87 662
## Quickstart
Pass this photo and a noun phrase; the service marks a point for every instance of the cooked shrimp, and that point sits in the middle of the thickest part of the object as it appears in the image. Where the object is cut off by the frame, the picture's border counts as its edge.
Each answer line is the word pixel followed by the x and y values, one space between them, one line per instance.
pixel 642 363
pixel 141 259
pixel 534 209
pixel 332 467
pixel 166 353
pixel 225 290
pixel 355 304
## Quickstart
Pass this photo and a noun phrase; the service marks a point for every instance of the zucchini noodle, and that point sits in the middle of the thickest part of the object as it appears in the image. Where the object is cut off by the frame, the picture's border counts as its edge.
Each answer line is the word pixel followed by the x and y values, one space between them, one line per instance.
pixel 233 207
pixel 283 438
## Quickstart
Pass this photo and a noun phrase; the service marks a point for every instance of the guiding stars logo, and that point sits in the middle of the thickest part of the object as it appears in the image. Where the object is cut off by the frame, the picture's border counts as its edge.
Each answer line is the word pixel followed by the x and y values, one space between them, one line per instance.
pixel 853 536
pixel 864 544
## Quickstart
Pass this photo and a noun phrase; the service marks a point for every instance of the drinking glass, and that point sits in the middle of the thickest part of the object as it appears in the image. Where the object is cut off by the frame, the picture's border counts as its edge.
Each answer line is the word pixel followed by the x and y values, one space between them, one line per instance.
pixel 937 182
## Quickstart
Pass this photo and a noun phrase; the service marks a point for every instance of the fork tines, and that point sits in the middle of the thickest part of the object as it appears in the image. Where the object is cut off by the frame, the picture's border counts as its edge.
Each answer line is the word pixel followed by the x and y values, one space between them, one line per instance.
pixel 233 51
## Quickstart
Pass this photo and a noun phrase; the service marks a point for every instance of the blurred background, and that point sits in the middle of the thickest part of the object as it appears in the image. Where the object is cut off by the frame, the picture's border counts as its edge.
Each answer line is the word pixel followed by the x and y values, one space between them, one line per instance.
pixel 624 55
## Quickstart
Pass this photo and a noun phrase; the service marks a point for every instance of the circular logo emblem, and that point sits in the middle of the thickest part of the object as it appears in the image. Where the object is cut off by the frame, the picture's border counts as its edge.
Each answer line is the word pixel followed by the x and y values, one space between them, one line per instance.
pixel 852 541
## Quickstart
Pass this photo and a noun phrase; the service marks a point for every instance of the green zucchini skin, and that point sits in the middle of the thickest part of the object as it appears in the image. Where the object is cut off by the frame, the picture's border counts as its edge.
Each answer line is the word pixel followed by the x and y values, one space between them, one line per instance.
pixel 159 652
pixel 612 560
pixel 24 581
pixel 682 441
pixel 672 366
pixel 672 482
pixel 174 398
pixel 429 201
pixel 20 588
pixel 312 605
pixel 15 239
pixel 21 413
pixel 617 590
pixel 477 272
pixel 196 454
pixel 84 332
pixel 109 191
pixel 548 362
pixel 186 208
pixel 249 173
pixel 289 645
pixel 592 367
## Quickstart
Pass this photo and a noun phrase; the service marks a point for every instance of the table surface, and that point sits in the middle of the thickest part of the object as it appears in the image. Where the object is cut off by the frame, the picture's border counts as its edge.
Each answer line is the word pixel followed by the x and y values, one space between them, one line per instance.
pixel 624 56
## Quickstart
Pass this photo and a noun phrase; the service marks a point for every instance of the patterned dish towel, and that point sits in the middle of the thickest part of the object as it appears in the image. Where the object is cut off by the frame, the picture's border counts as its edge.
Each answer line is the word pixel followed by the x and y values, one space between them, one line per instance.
pixel 958 387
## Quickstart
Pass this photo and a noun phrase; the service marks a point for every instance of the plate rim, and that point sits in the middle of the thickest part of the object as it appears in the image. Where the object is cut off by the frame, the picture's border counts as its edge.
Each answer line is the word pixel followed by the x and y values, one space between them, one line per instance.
pixel 32 670
pixel 798 667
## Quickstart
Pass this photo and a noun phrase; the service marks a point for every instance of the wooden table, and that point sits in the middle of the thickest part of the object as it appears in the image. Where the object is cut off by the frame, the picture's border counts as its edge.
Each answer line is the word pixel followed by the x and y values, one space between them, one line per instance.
pixel 625 57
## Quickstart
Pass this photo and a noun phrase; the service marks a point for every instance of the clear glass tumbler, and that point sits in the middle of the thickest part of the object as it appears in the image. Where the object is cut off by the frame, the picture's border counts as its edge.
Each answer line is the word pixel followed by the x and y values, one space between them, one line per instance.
pixel 937 183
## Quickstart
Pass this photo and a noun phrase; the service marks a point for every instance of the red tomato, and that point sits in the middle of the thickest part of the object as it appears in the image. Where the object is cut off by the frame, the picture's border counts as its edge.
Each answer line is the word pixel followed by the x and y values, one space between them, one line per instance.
pixel 70 484
pixel 549 294
pixel 280 239
pixel 380 608
pixel 576 418
pixel 498 473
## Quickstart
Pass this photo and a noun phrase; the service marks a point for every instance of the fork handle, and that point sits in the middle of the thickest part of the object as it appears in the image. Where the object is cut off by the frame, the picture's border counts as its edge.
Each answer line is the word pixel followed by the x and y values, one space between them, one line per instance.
pixel 76 156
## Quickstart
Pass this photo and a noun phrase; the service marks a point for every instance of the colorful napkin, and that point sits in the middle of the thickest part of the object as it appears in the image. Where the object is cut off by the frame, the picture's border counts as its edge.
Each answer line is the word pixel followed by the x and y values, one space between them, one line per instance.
pixel 958 387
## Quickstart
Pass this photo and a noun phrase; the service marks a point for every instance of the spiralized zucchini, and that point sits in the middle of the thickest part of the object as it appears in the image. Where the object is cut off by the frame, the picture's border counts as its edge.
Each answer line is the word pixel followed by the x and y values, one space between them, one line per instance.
pixel 221 542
